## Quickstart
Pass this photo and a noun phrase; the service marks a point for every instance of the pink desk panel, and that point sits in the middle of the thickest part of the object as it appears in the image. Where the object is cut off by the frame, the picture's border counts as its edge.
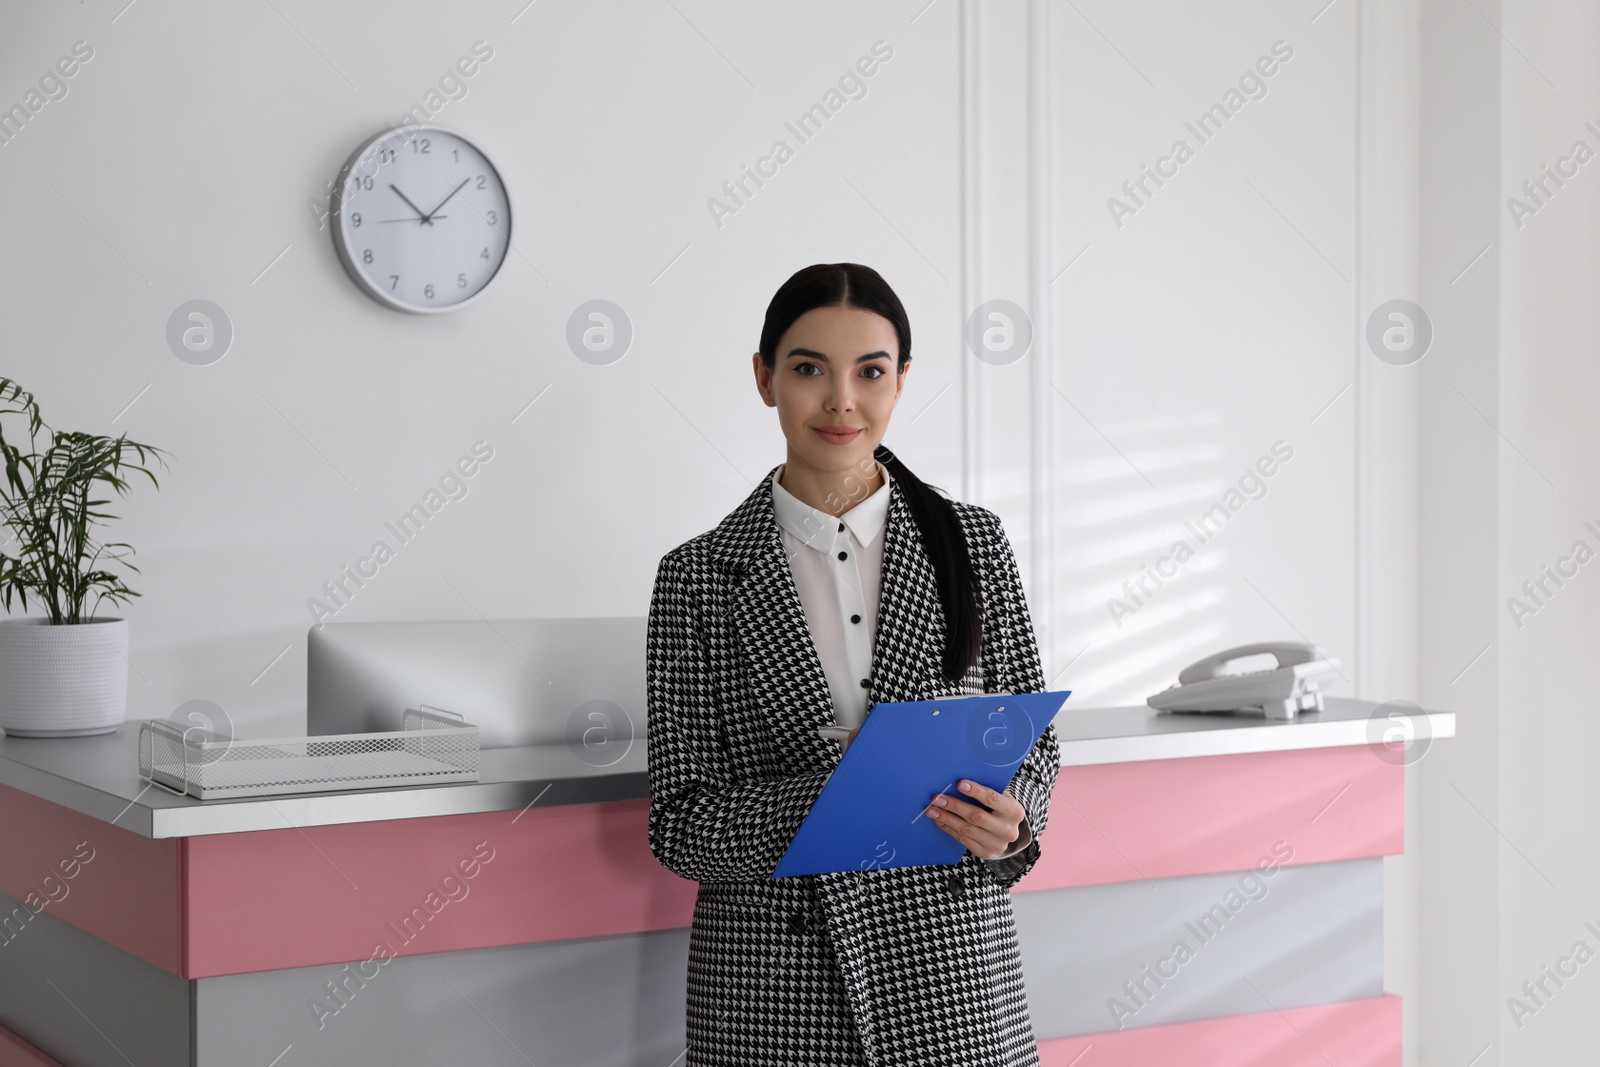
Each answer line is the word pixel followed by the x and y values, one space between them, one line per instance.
pixel 335 894
pixel 1124 822
pixel 329 894
pixel 122 888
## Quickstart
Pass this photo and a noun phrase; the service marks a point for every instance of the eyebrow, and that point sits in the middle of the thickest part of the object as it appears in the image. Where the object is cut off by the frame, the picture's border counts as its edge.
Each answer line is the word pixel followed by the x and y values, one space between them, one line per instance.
pixel 809 354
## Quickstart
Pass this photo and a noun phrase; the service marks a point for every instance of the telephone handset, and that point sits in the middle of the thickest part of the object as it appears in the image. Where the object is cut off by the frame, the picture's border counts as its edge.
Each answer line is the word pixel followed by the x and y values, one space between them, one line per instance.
pixel 1294 685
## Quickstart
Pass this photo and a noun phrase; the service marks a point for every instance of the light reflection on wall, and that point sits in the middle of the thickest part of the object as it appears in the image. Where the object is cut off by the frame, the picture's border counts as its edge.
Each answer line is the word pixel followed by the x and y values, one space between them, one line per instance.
pixel 1116 514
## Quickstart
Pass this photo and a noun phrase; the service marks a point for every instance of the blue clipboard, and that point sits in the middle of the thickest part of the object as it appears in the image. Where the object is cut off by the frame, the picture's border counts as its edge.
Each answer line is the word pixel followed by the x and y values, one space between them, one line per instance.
pixel 872 811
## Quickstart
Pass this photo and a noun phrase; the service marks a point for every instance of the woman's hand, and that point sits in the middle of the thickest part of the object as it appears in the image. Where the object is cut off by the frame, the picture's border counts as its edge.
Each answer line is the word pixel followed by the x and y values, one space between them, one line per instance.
pixel 986 833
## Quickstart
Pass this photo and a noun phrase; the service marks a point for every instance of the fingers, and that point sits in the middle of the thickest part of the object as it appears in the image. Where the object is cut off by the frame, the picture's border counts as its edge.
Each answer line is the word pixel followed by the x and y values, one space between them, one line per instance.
pixel 983 843
pixel 982 793
pixel 959 810
pixel 986 833
pixel 1005 810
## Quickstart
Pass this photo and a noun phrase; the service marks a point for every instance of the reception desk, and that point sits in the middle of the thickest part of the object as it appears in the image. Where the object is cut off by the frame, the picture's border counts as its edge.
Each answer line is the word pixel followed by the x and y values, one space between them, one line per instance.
pixel 1210 892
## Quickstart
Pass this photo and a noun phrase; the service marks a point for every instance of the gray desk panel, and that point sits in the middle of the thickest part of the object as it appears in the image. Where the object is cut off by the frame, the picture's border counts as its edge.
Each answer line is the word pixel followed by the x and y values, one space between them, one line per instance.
pixel 1313 936
pixel 1307 935
pixel 604 1001
pixel 83 1002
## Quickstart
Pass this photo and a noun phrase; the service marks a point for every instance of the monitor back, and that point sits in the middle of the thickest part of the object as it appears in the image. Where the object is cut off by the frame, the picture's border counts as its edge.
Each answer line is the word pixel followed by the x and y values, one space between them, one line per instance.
pixel 520 681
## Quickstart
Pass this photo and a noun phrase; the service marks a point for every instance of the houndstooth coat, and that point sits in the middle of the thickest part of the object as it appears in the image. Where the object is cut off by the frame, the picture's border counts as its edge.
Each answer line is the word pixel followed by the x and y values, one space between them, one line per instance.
pixel 909 965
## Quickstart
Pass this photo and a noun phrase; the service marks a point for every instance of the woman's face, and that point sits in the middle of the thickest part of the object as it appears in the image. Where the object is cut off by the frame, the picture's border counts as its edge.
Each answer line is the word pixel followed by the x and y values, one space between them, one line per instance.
pixel 835 369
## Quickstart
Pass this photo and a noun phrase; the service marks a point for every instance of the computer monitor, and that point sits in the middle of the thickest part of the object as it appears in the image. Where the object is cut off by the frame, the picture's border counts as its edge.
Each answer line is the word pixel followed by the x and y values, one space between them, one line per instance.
pixel 520 681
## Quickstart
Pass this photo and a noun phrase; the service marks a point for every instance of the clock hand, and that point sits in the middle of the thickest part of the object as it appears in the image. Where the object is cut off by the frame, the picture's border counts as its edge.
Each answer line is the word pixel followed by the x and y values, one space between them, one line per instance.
pixel 409 220
pixel 421 218
pixel 446 200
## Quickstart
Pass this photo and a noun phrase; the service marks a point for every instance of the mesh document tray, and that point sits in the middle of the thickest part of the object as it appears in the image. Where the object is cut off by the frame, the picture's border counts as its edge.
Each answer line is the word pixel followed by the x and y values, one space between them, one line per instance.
pixel 435 746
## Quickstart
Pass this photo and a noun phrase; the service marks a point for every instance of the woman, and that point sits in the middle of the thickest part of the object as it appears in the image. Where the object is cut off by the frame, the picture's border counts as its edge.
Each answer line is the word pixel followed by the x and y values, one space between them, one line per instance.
pixel 841 581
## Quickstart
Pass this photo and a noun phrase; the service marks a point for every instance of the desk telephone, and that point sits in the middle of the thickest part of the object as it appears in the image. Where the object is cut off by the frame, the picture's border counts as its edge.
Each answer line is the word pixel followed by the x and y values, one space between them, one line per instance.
pixel 1294 685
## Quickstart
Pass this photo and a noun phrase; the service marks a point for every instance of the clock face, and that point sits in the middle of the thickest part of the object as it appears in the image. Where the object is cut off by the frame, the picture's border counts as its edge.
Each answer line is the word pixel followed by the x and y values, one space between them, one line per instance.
pixel 421 219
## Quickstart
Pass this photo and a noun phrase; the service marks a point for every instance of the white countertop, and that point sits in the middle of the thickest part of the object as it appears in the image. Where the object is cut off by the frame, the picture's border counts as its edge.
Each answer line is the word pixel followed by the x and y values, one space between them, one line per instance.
pixel 99 777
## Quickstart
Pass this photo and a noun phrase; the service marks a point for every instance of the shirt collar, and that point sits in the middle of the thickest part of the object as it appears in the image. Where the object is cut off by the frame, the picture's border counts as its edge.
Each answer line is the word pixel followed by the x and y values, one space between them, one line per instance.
pixel 819 529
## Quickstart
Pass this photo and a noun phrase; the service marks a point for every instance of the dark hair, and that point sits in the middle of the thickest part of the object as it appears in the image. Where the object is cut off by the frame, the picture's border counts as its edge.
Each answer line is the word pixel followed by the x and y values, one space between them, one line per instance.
pixel 853 285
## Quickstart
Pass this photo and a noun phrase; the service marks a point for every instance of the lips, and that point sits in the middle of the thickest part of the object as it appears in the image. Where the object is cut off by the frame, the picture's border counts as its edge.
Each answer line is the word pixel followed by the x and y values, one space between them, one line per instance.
pixel 837 435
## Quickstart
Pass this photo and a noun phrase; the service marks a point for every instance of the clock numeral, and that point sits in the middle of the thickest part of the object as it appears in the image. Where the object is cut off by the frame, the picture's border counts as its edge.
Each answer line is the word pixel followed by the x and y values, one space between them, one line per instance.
pixel 427 291
pixel 492 217
pixel 483 182
pixel 423 141
pixel 366 257
pixel 394 279
pixel 461 281
pixel 385 155
pixel 363 183
pixel 456 154
pixel 484 254
pixel 355 220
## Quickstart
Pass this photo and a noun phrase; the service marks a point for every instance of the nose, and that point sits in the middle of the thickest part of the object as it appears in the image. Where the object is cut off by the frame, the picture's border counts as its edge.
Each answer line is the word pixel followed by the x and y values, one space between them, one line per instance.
pixel 840 397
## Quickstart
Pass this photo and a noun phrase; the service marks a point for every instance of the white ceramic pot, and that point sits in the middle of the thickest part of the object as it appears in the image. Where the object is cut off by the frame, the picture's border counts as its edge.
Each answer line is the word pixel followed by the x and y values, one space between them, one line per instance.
pixel 63 681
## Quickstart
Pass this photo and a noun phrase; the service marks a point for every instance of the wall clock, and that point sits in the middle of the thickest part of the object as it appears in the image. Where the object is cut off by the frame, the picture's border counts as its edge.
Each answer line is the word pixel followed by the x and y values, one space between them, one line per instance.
pixel 421 219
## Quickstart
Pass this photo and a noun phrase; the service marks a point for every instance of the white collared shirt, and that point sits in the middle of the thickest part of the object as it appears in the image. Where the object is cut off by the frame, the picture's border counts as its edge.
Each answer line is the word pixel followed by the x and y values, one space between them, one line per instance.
pixel 837 565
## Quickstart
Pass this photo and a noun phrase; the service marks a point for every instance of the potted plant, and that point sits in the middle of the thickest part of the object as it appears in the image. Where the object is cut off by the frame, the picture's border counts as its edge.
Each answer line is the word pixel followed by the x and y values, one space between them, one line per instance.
pixel 63 674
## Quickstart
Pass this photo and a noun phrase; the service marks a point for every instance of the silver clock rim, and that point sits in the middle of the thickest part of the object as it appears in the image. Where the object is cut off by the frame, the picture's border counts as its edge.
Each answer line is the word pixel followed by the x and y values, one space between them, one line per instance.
pixel 336 215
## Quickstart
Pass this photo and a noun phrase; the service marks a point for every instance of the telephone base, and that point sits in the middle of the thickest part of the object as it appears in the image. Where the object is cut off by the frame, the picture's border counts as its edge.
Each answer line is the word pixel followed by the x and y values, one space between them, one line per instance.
pixel 1287 709
pixel 1280 692
pixel 1268 709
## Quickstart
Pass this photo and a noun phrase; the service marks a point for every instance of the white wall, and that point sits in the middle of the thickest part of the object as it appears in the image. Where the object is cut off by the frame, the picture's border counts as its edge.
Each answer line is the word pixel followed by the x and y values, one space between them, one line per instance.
pixel 180 165
pixel 1193 337
pixel 1196 333
pixel 1173 350
pixel 1508 484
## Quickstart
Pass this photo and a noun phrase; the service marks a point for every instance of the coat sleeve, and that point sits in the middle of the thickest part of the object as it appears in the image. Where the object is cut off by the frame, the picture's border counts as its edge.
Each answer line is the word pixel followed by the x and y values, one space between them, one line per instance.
pixel 704 825
pixel 1024 839
pixel 1010 658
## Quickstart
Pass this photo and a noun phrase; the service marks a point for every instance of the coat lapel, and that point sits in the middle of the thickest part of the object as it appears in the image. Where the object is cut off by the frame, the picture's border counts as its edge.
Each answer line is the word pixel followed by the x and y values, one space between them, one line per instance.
pixel 785 671
pixel 905 654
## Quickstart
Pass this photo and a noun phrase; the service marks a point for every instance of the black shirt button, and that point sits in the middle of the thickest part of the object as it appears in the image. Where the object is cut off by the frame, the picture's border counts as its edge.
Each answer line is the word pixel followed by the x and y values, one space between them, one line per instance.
pixel 841 527
pixel 863 683
pixel 844 555
pixel 798 923
pixel 955 885
pixel 855 618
